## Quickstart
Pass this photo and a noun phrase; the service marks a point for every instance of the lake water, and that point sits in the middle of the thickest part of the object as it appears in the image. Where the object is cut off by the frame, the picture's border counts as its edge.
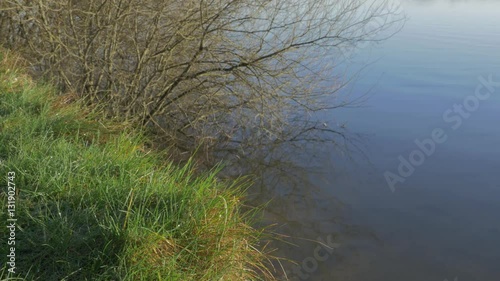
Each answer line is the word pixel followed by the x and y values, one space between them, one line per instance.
pixel 443 221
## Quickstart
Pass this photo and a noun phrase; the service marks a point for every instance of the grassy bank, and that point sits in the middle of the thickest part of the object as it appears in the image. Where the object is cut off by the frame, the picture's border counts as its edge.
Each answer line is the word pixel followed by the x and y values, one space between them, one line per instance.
pixel 92 203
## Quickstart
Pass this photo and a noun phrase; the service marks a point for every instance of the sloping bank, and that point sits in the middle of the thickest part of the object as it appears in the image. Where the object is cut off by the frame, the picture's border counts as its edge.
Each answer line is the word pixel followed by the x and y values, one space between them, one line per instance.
pixel 91 203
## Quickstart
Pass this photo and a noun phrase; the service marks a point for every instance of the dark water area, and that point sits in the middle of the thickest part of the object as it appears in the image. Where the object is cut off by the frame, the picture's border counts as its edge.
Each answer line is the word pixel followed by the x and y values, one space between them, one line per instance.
pixel 433 111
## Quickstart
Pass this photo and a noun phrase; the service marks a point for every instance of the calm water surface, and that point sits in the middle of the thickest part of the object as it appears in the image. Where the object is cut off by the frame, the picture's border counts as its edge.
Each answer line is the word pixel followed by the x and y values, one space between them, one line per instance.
pixel 443 221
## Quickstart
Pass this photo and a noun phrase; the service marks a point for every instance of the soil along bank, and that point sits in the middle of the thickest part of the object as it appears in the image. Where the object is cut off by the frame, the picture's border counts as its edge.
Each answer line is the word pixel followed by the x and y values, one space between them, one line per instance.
pixel 92 203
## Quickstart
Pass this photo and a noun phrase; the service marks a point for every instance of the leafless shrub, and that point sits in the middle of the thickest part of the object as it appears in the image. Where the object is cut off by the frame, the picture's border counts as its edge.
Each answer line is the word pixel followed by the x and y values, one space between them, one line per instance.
pixel 217 73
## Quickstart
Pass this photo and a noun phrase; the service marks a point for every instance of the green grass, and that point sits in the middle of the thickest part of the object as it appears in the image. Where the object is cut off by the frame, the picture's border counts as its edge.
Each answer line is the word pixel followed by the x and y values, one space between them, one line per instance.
pixel 94 204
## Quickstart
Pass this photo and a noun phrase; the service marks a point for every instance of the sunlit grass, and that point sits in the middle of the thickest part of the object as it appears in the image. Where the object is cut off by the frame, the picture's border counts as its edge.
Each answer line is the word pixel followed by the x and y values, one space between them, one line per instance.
pixel 94 204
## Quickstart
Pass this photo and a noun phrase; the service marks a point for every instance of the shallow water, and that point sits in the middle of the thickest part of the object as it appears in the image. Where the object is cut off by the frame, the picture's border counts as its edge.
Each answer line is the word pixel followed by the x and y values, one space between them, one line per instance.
pixel 443 221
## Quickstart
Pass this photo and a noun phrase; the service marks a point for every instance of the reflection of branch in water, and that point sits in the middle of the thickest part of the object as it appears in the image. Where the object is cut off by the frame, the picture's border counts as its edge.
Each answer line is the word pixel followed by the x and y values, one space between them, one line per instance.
pixel 289 183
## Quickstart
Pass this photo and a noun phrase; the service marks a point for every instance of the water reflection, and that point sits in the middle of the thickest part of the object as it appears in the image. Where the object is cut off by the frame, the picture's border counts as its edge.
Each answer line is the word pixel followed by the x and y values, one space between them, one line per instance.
pixel 443 221
pixel 291 185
